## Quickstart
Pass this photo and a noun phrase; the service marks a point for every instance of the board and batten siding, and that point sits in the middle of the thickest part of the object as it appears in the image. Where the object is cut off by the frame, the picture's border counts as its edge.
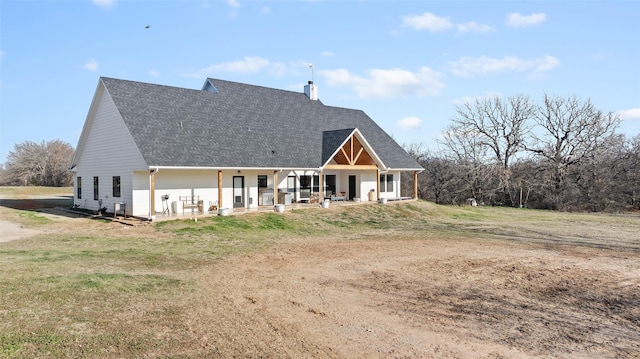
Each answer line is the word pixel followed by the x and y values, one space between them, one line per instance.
pixel 107 151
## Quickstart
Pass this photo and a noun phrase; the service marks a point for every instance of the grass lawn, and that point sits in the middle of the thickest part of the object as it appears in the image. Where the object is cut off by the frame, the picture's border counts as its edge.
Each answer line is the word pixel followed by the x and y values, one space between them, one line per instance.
pixel 86 288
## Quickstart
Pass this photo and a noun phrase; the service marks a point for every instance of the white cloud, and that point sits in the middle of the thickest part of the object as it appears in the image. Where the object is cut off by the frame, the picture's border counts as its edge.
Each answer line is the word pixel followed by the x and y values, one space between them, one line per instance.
pixel 517 20
pixel 154 73
pixel 91 65
pixel 1 54
pixel 427 21
pixel 105 4
pixel 278 69
pixel 474 27
pixel 246 65
pixel 630 114
pixel 381 83
pixel 328 53
pixel 546 63
pixel 410 123
pixel 233 3
pixel 479 66
pixel 250 65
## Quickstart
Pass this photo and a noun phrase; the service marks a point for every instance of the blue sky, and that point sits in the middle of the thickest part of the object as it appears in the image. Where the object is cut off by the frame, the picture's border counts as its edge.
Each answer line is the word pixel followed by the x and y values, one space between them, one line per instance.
pixel 405 63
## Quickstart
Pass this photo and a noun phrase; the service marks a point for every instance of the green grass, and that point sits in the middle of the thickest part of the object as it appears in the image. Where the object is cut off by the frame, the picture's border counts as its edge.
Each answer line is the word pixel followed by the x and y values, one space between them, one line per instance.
pixel 95 292
pixel 30 218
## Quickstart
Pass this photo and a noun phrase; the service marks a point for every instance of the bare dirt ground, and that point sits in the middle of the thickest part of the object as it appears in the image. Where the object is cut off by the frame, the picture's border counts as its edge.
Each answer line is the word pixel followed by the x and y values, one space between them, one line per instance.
pixel 418 296
pixel 433 298
pixel 12 231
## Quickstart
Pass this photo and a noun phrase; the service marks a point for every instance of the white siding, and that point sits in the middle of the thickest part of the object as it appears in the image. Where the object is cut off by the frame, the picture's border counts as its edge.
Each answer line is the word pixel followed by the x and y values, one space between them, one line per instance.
pixel 176 183
pixel 368 182
pixel 108 150
pixel 140 195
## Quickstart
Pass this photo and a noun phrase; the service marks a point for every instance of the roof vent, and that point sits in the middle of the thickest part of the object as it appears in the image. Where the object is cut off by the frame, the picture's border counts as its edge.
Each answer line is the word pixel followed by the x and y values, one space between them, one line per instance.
pixel 311 91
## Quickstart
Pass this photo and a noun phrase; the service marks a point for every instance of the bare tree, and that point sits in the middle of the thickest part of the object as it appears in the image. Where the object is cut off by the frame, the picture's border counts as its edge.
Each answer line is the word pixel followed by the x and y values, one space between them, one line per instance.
pixel 471 158
pixel 599 175
pixel 440 179
pixel 633 174
pixel 500 125
pixel 570 129
pixel 39 164
pixel 627 182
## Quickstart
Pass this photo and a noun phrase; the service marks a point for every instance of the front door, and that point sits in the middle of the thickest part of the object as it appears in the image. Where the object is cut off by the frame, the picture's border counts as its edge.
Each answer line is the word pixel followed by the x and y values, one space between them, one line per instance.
pixel 238 191
pixel 352 187
pixel 330 185
pixel 291 187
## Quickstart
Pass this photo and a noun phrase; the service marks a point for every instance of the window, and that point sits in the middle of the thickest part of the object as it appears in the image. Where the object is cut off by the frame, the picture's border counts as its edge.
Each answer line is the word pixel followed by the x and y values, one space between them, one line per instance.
pixel 262 181
pixel 386 183
pixel 116 186
pixel 316 184
pixel 95 188
pixel 305 187
pixel 305 182
pixel 79 187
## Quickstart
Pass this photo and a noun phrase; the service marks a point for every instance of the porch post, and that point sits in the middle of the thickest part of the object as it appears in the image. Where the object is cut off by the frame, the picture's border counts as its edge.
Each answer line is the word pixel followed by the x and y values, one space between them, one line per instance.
pixel 275 187
pixel 415 184
pixel 321 184
pixel 378 183
pixel 219 189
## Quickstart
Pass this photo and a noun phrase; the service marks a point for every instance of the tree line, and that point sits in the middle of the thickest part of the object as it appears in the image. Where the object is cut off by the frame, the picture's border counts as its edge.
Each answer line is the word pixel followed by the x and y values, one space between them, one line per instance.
pixel 562 153
pixel 38 164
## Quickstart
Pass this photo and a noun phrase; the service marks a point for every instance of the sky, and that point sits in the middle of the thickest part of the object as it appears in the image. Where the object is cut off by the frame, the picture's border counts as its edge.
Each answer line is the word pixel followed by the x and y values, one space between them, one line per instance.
pixel 407 64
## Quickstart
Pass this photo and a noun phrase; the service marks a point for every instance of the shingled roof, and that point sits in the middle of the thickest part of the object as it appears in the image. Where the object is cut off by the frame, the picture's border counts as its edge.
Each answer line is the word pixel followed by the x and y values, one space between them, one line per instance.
pixel 241 125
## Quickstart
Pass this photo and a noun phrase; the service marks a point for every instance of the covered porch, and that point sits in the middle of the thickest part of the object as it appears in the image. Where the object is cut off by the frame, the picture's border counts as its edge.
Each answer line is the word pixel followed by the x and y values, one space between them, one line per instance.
pixel 173 191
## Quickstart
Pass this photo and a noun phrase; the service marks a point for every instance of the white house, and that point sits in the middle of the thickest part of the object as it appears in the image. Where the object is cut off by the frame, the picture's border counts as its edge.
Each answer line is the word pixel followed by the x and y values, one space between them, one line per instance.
pixel 153 149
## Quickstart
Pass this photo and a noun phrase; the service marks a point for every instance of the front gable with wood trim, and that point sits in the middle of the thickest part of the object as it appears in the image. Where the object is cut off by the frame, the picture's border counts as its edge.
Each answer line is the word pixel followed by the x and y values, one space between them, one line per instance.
pixel 354 152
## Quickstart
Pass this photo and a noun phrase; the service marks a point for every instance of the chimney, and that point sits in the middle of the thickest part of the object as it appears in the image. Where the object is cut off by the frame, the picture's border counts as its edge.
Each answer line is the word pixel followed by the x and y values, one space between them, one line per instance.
pixel 311 91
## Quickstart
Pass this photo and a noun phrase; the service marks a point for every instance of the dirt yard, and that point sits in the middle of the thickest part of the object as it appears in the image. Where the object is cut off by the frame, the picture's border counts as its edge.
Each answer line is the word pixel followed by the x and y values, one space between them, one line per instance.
pixel 420 296
pixel 429 298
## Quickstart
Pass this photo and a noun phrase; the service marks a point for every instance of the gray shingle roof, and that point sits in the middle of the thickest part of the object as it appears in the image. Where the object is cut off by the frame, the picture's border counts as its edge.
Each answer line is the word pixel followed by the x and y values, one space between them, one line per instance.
pixel 240 126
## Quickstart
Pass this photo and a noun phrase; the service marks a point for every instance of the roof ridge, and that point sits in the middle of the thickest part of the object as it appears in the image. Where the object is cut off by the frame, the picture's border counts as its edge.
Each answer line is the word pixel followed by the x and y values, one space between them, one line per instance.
pixel 149 83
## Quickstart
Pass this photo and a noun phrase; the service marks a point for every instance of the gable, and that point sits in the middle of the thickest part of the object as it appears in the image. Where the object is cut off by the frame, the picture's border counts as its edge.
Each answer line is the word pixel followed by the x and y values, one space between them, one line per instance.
pixel 104 137
pixel 348 148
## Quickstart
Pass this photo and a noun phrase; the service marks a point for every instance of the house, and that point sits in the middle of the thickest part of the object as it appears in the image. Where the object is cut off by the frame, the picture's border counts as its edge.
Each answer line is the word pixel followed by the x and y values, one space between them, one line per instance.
pixel 149 149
